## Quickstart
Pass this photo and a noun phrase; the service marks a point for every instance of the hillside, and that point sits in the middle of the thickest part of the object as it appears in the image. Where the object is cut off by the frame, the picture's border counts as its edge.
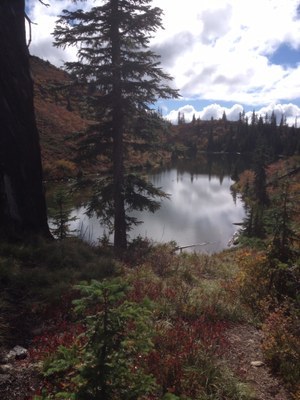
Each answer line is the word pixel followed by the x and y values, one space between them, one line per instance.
pixel 62 114
pixel 58 117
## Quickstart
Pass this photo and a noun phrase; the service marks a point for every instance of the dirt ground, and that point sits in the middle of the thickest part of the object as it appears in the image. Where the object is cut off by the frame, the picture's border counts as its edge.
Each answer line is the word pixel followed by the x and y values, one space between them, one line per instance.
pixel 19 382
pixel 244 351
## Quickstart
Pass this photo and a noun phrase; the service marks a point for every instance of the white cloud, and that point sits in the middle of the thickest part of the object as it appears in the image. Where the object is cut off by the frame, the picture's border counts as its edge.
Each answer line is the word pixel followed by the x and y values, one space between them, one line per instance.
pixel 214 111
pixel 216 51
pixel 290 111
pixel 228 56
pixel 44 19
pixel 215 22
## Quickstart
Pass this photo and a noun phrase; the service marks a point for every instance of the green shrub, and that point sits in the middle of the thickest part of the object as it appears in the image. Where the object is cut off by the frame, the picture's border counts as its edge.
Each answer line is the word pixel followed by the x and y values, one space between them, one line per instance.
pixel 110 362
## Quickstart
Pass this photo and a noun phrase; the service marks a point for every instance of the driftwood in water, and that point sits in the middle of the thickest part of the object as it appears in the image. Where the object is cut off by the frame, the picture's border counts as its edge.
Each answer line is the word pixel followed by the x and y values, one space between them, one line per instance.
pixel 192 245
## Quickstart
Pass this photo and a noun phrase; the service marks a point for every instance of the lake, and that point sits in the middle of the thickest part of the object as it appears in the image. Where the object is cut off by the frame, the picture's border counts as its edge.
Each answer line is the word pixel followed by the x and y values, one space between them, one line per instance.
pixel 201 209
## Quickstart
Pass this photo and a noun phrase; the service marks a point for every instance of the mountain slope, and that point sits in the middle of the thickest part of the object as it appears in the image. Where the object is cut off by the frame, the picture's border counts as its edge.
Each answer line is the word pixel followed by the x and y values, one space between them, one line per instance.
pixel 58 117
pixel 62 114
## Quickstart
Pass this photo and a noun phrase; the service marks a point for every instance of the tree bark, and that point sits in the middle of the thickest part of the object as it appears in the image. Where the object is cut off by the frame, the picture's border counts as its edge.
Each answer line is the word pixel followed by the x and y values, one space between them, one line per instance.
pixel 120 231
pixel 22 201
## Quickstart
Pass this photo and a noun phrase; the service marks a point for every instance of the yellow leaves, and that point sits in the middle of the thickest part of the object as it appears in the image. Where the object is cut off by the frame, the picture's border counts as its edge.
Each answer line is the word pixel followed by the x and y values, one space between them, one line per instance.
pixel 246 179
pixel 60 169
pixel 65 165
pixel 252 279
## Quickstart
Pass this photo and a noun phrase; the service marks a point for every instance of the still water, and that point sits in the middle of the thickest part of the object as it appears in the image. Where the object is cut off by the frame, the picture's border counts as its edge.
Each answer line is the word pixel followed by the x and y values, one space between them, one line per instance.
pixel 201 209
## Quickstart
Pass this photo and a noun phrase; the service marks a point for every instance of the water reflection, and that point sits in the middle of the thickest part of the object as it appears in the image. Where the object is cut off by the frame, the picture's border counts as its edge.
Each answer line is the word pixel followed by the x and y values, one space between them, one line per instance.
pixel 201 209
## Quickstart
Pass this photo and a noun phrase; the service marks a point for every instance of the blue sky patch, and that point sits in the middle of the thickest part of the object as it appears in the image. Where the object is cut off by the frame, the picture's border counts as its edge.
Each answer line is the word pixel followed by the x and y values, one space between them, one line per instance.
pixel 286 55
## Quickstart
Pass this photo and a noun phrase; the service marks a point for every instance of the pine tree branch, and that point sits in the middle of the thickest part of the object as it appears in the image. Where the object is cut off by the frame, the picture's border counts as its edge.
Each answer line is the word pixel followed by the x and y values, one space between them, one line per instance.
pixel 44 4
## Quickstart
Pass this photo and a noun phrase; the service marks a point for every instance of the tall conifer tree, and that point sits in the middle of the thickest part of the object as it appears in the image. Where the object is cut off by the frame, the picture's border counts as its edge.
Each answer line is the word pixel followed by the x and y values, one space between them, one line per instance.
pixel 114 54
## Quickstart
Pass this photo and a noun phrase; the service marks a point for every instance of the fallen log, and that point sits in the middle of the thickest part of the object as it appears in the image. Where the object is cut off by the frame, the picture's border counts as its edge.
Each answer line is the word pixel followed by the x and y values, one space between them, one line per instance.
pixel 192 245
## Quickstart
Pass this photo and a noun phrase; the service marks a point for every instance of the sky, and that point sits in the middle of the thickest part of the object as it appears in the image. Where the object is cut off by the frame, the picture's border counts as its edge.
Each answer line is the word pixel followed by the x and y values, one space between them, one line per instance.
pixel 223 55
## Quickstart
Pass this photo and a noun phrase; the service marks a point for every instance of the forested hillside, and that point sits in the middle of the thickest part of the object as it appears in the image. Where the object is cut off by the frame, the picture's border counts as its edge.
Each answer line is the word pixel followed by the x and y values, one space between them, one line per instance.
pixel 242 136
pixel 63 114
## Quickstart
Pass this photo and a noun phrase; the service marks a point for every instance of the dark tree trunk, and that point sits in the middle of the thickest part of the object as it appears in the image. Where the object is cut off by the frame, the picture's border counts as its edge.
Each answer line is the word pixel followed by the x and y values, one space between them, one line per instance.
pixel 22 202
pixel 120 239
pixel 120 231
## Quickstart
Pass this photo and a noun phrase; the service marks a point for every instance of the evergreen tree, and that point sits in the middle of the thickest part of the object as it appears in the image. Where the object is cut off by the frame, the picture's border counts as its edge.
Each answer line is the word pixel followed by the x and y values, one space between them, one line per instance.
pixel 224 116
pixel 258 199
pixel 283 121
pixel 210 141
pixel 180 118
pixel 110 363
pixel 267 119
pixel 114 53
pixel 283 234
pixel 242 116
pixel 260 177
pixel 284 272
pixel 254 118
pixel 273 120
pixel 61 214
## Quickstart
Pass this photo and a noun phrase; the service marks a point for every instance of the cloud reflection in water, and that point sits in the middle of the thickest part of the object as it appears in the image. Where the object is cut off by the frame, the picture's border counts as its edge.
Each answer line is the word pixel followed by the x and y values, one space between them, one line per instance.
pixel 201 209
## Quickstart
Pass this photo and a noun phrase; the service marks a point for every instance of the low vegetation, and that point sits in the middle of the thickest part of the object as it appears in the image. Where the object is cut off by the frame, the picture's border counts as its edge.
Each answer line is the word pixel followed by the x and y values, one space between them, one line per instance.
pixel 156 321
pixel 153 325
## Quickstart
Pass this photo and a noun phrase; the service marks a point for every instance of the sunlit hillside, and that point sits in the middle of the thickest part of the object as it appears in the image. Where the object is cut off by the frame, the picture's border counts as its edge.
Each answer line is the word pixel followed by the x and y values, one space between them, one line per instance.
pixel 62 115
pixel 58 115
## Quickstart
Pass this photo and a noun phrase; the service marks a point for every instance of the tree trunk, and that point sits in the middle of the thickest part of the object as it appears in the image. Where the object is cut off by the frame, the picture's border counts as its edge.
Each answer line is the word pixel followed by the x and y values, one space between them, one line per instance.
pixel 120 239
pixel 22 201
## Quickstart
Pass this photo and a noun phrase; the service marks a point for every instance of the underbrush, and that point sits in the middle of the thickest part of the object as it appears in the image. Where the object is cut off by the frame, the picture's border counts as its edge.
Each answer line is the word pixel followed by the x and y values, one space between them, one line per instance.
pixel 134 341
pixel 268 278
pixel 149 328
pixel 281 343
pixel 271 290
pixel 154 332
pixel 35 278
